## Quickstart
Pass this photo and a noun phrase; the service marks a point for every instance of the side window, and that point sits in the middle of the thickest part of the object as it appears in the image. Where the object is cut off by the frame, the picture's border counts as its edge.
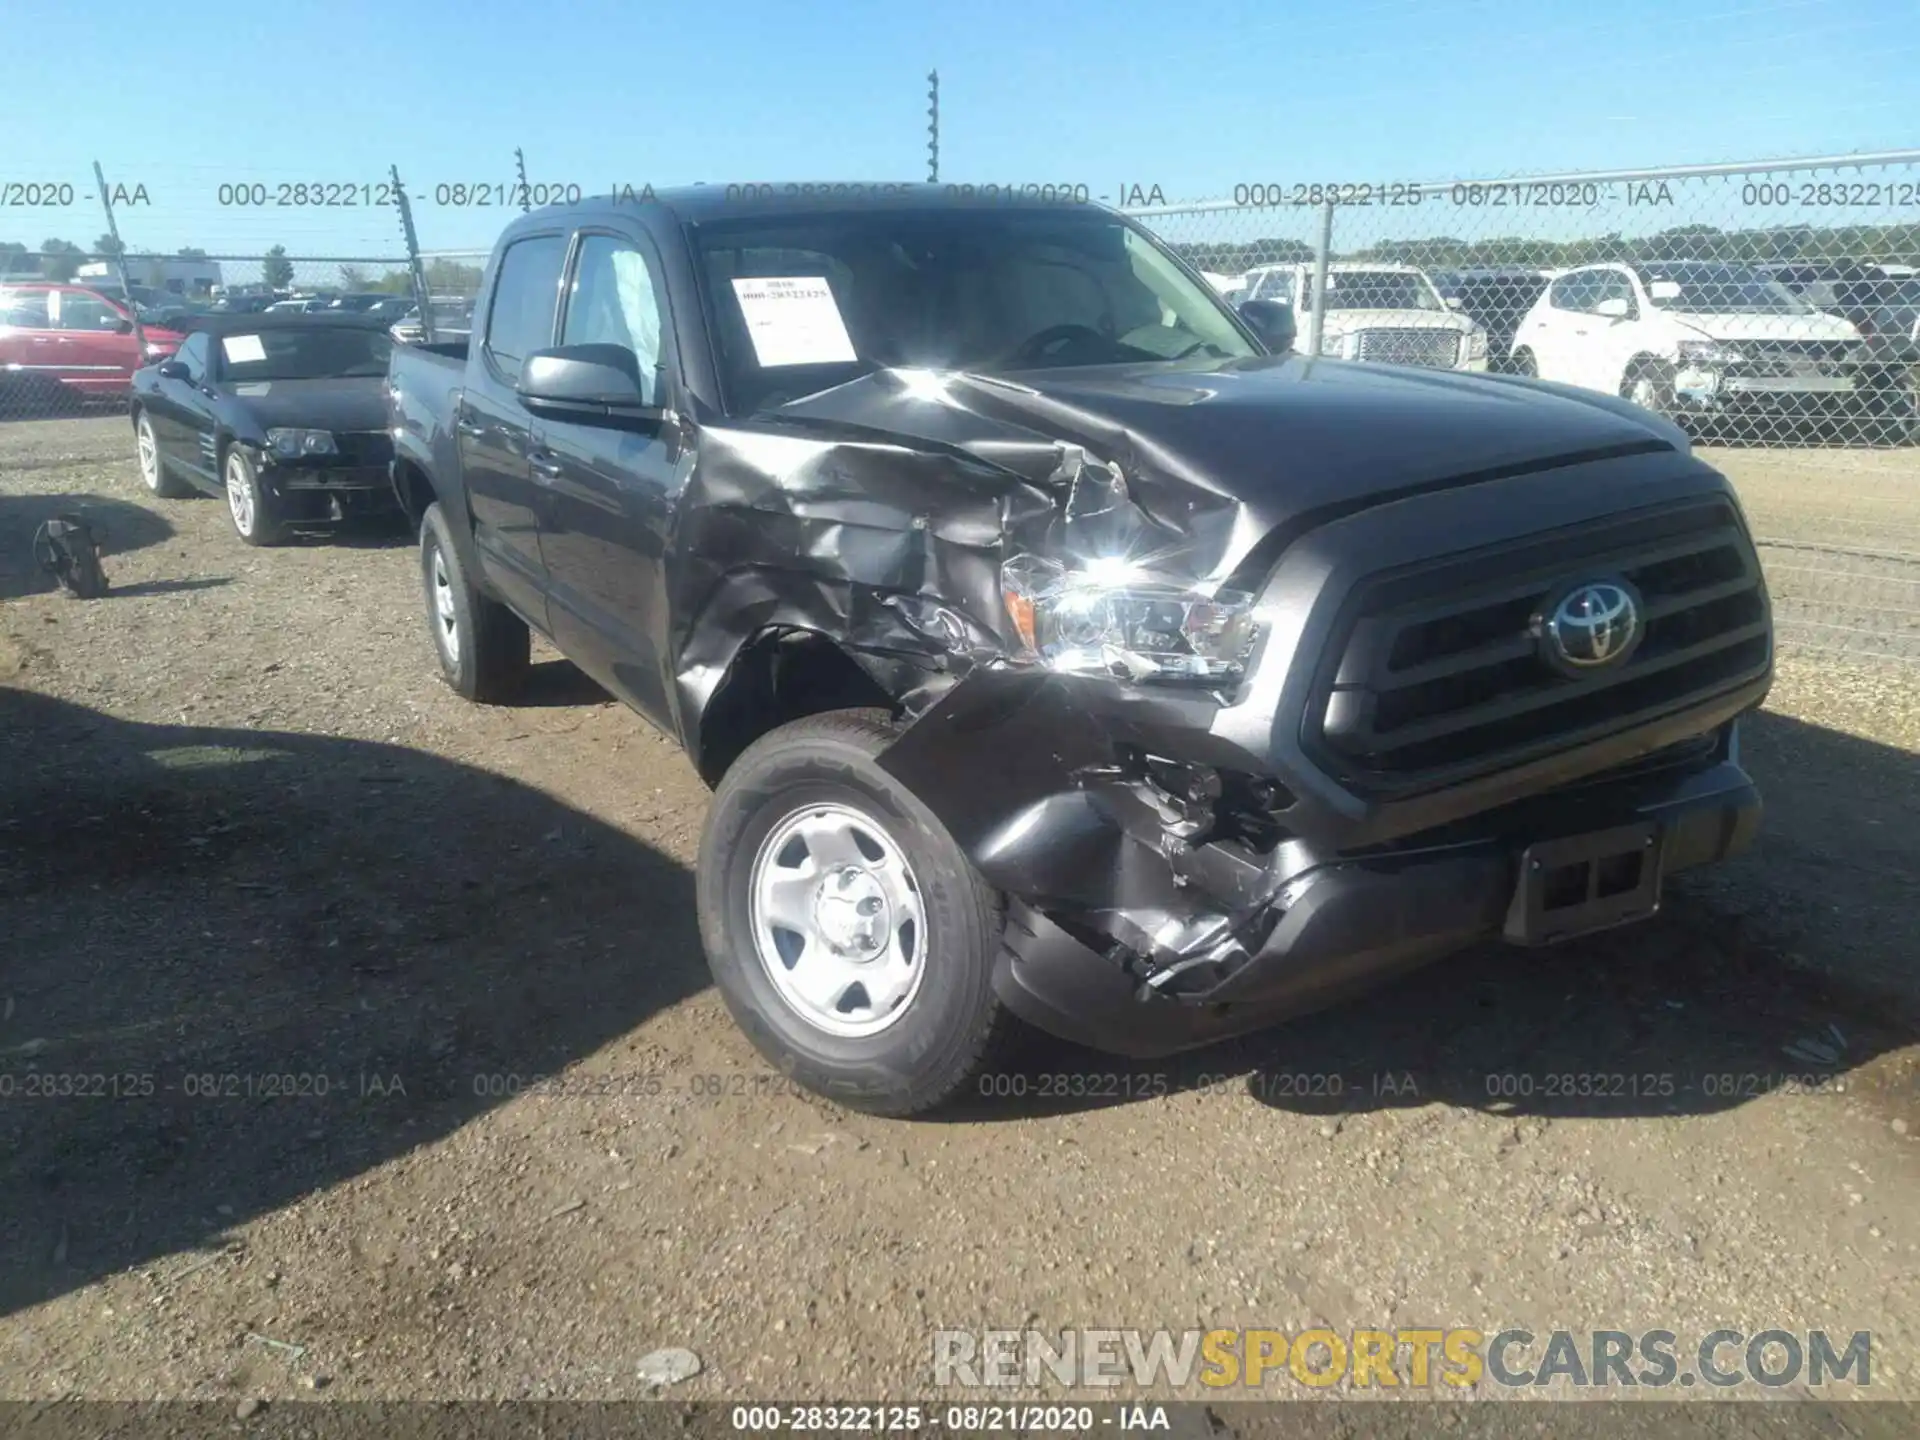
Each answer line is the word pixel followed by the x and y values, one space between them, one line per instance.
pixel 81 311
pixel 1613 285
pixel 1573 292
pixel 614 301
pixel 26 309
pixel 193 354
pixel 524 296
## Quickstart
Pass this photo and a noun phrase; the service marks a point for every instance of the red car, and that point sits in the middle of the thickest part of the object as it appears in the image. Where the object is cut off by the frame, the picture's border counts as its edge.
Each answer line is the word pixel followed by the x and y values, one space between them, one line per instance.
pixel 75 338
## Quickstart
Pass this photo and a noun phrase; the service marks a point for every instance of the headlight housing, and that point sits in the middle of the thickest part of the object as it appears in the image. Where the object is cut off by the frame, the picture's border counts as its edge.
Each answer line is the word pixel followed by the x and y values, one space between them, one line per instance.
pixel 1476 344
pixel 292 444
pixel 1709 352
pixel 1333 345
pixel 1114 619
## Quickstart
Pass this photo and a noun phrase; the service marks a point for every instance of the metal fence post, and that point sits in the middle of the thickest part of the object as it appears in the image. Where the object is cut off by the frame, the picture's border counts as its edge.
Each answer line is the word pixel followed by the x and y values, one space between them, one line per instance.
pixel 1322 248
pixel 413 257
pixel 120 257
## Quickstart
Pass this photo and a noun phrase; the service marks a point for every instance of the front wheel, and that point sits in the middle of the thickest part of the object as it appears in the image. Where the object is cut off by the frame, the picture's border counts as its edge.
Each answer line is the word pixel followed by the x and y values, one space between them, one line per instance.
pixel 255 510
pixel 1523 363
pixel 847 932
pixel 1650 386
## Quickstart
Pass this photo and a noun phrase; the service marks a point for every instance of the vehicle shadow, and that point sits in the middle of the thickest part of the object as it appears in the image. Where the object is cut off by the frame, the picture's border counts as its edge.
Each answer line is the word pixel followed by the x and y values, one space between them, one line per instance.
pixel 119 524
pixel 1789 968
pixel 244 966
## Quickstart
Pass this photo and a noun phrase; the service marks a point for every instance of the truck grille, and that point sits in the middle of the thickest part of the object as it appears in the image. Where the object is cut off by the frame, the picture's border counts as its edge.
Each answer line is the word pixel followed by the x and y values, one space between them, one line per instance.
pixel 1441 672
pixel 1794 357
pixel 1435 349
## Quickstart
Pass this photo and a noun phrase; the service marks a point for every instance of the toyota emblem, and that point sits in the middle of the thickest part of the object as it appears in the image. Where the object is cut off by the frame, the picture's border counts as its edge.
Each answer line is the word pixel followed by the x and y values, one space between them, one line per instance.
pixel 1595 624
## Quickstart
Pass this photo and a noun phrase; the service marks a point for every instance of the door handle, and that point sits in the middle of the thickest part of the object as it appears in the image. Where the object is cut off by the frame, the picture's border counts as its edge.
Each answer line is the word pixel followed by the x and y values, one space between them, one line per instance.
pixel 469 427
pixel 545 462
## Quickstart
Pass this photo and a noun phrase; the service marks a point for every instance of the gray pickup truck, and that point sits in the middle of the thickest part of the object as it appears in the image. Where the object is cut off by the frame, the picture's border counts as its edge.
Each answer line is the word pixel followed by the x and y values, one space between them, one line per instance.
pixel 1060 648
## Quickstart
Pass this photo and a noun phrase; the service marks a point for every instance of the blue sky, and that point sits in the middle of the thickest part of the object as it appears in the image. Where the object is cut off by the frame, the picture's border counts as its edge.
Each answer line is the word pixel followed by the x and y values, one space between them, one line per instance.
pixel 1193 98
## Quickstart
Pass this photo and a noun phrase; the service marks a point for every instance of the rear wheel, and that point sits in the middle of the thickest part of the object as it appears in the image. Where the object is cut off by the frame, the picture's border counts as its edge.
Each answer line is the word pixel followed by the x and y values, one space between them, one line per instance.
pixel 483 647
pixel 1523 363
pixel 153 465
pixel 849 935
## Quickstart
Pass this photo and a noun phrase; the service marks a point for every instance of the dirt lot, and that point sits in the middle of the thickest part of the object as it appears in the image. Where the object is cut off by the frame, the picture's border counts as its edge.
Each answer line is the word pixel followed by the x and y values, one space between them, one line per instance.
pixel 250 846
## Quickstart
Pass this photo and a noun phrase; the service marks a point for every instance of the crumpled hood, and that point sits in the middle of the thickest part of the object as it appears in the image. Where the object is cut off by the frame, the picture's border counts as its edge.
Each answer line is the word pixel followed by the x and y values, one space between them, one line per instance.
pixel 1767 327
pixel 1221 453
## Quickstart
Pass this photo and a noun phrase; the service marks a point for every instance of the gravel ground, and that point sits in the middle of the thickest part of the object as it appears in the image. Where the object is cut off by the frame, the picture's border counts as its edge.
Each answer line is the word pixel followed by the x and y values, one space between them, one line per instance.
pixel 307 916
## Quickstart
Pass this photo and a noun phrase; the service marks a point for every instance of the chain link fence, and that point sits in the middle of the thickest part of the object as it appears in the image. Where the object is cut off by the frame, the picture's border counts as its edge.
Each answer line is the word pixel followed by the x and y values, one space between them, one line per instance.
pixel 104 272
pixel 1773 310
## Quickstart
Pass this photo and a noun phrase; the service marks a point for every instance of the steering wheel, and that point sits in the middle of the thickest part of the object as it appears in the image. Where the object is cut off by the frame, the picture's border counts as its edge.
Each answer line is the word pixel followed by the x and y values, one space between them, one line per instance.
pixel 1051 339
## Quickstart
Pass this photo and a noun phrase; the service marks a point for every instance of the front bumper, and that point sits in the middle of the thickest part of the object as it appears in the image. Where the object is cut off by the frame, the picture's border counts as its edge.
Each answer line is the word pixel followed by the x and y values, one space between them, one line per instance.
pixel 322 488
pixel 1144 922
pixel 1344 926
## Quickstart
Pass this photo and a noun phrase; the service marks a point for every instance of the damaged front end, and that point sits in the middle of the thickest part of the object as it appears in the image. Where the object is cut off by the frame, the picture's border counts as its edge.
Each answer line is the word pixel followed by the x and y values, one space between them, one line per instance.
pixel 1094 645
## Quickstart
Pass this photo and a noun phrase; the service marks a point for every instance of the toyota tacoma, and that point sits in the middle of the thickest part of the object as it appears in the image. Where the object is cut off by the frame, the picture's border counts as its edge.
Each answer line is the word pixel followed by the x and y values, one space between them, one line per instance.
pixel 1060 647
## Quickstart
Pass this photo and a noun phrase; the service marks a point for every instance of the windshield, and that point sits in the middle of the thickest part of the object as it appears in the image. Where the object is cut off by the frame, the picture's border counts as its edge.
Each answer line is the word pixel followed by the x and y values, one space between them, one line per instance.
pixel 1723 290
pixel 317 354
pixel 804 303
pixel 1378 290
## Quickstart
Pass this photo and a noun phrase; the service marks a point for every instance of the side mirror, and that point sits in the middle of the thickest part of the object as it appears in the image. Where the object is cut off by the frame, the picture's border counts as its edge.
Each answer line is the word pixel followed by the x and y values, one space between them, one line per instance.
pixel 174 370
pixel 123 326
pixel 1664 290
pixel 589 383
pixel 1614 307
pixel 1272 321
pixel 1454 302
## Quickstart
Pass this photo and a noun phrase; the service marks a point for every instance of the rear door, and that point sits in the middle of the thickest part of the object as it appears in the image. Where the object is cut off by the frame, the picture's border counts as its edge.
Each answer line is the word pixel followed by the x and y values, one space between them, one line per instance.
pixel 494 430
pixel 27 338
pixel 1551 330
pixel 611 491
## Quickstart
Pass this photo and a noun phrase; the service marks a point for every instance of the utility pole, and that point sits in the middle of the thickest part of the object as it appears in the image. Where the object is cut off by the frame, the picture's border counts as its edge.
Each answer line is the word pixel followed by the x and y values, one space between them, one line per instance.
pixel 933 127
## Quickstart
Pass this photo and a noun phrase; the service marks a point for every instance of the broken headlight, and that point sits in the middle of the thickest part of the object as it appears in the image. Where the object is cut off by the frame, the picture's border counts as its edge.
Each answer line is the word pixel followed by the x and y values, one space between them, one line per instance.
pixel 1111 618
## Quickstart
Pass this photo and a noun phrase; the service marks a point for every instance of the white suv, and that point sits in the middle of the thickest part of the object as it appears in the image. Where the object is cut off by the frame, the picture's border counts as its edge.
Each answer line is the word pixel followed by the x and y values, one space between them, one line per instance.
pixel 1690 338
pixel 1376 311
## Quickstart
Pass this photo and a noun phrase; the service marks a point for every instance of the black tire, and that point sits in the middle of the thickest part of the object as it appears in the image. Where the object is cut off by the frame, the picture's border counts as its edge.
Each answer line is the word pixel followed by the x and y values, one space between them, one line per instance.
pixel 256 518
pixel 1523 363
pixel 490 648
pixel 1649 384
pixel 952 1028
pixel 159 480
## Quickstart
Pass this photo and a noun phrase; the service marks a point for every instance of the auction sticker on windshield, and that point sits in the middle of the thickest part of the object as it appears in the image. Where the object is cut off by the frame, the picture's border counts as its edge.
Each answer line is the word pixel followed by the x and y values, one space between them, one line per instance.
pixel 793 320
pixel 243 349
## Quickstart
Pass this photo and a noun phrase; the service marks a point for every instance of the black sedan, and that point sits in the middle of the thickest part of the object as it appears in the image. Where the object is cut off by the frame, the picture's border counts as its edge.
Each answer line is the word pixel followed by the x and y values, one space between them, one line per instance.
pixel 284 415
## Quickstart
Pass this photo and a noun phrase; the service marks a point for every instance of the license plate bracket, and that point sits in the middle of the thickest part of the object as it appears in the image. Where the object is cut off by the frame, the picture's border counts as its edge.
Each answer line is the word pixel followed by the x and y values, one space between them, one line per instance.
pixel 1582 883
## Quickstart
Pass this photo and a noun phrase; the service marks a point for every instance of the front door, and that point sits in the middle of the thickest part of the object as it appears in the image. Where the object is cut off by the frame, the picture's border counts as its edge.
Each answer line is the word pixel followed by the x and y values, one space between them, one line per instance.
pixel 612 491
pixel 494 430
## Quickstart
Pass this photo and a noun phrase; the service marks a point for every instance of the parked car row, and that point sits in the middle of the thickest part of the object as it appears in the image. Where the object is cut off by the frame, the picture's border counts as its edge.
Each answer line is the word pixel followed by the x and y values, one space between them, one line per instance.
pixel 1054 638
pixel 1719 346
pixel 1738 349
pixel 282 415
pixel 69 341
